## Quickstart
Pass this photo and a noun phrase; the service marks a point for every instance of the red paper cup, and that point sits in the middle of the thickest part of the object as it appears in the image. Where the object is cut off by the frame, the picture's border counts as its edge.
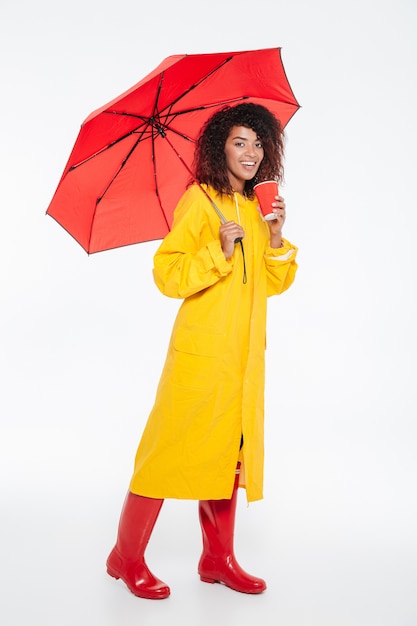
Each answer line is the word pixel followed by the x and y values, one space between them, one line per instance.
pixel 265 193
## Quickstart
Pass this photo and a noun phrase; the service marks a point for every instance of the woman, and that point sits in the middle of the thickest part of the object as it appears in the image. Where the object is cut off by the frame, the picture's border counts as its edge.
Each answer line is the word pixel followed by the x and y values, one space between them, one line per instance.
pixel 204 436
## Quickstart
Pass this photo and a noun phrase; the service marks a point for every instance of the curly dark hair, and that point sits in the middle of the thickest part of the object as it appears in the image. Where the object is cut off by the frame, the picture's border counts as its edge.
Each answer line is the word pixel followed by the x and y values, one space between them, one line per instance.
pixel 210 159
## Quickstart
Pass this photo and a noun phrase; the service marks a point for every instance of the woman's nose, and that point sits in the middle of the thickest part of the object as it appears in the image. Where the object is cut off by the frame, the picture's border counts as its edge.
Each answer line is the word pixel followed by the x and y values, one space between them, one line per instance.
pixel 251 150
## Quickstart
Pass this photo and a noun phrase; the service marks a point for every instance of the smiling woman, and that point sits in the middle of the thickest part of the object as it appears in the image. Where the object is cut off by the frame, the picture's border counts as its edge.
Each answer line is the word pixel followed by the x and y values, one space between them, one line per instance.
pixel 204 436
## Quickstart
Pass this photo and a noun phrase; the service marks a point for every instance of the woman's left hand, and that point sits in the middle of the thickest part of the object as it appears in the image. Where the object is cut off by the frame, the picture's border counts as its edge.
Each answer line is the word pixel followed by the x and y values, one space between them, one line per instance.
pixel 275 226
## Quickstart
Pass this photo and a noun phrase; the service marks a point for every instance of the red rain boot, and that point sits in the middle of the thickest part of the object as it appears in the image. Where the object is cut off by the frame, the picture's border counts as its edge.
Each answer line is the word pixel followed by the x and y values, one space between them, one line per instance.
pixel 218 563
pixel 126 560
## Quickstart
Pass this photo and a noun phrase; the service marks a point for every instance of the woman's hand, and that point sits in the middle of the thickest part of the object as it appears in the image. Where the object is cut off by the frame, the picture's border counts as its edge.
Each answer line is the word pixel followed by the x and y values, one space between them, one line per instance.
pixel 275 226
pixel 229 232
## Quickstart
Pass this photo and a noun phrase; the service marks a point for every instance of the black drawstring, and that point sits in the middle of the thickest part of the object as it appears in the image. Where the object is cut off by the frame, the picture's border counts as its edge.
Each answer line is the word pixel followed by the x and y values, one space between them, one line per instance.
pixel 245 278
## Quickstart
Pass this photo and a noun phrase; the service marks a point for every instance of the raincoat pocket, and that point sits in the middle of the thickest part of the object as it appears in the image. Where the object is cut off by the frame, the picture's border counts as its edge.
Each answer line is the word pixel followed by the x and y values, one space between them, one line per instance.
pixel 199 343
pixel 196 365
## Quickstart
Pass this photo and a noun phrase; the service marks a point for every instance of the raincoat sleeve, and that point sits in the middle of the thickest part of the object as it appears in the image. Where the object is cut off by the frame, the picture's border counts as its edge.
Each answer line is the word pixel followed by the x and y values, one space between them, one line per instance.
pixel 281 267
pixel 190 257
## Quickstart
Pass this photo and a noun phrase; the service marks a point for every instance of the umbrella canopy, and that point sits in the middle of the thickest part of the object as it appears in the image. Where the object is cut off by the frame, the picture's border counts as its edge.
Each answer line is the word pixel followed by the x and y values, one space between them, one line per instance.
pixel 131 161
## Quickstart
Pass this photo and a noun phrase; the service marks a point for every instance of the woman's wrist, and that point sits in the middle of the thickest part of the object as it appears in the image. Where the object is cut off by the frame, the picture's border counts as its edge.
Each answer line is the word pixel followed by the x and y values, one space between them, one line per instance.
pixel 276 241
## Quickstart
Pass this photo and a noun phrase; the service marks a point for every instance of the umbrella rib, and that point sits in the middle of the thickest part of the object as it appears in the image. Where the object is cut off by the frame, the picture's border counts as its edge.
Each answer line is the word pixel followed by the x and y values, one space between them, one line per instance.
pixel 208 106
pixel 204 106
pixel 121 166
pixel 113 143
pixel 202 79
pixel 99 199
pixel 156 181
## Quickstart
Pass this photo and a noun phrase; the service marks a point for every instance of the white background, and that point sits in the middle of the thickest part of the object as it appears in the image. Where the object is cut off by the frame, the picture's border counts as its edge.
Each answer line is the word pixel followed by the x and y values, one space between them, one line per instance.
pixel 83 339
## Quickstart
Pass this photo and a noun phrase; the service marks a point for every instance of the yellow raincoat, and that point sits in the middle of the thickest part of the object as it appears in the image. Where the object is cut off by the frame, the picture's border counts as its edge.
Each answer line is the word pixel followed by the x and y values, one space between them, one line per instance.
pixel 211 389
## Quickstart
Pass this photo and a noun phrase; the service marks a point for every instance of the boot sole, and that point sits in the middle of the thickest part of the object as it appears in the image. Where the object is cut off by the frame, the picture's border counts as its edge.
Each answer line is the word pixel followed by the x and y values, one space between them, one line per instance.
pixel 207 579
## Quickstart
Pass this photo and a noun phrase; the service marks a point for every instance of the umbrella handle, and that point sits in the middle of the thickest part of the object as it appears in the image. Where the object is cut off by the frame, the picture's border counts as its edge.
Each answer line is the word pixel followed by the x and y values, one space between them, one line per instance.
pixel 216 208
pixel 220 214
pixel 223 220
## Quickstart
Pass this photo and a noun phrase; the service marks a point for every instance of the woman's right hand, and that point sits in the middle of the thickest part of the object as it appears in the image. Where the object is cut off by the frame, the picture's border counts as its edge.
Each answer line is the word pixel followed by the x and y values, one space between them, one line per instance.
pixel 229 232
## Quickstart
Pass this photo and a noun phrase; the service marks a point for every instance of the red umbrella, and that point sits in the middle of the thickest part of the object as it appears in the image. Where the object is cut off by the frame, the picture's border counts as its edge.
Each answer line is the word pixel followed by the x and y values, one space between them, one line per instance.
pixel 130 163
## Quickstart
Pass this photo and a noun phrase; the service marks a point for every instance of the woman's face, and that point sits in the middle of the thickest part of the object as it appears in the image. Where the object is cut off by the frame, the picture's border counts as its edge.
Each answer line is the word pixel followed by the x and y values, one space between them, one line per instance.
pixel 244 153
